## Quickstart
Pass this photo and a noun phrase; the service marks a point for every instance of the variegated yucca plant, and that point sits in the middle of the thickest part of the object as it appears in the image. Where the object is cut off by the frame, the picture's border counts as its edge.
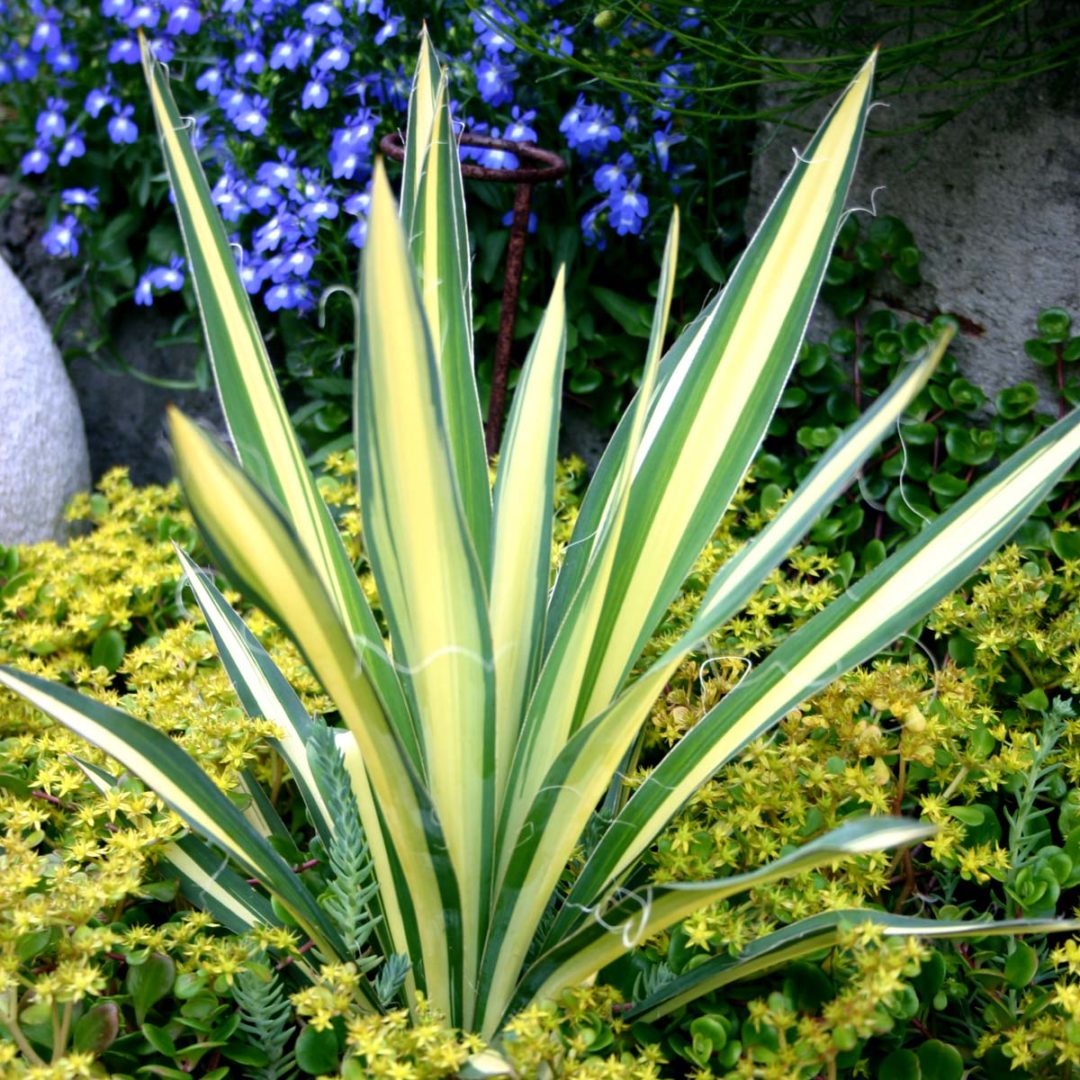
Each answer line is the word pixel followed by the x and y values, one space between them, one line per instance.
pixel 484 742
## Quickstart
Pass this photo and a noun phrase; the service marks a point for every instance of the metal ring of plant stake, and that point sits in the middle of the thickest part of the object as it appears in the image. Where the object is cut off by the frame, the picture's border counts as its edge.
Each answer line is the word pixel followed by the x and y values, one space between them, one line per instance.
pixel 549 167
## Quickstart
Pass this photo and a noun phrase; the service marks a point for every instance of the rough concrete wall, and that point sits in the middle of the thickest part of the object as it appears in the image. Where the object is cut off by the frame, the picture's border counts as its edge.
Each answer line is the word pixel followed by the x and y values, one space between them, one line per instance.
pixel 993 199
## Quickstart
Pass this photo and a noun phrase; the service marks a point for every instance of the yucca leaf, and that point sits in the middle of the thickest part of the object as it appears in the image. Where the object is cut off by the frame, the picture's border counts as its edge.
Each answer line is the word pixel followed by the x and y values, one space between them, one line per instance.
pixel 808 936
pixel 524 496
pixel 439 243
pixel 177 780
pixel 546 722
pixel 871 613
pixel 205 877
pixel 262 689
pixel 260 811
pixel 610 931
pixel 742 575
pixel 711 413
pixel 421 115
pixel 259 553
pixel 422 557
pixel 254 410
pixel 549 720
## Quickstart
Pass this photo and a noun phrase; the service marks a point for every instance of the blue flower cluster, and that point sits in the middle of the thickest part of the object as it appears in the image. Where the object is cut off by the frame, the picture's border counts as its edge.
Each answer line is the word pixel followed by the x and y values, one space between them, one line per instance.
pixel 286 100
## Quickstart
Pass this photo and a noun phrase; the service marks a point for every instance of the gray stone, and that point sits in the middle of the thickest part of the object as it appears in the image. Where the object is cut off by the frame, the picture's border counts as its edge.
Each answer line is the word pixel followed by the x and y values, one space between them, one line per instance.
pixel 43 457
pixel 123 415
pixel 993 199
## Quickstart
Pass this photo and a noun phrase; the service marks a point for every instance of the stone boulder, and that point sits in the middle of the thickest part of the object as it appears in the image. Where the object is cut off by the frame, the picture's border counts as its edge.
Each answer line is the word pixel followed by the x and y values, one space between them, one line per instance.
pixel 43 456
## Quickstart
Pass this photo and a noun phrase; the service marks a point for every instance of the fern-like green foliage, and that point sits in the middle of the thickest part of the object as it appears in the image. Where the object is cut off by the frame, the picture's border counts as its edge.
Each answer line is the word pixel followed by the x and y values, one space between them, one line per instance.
pixel 352 890
pixel 265 1015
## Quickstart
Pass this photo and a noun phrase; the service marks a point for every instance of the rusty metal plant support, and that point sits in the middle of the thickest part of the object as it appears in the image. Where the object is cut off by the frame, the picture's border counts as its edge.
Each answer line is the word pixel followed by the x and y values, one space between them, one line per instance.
pixel 548 166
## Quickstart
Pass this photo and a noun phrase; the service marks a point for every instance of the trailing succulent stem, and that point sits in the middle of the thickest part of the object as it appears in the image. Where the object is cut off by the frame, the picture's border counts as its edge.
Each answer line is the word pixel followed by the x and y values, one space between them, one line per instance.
pixel 352 886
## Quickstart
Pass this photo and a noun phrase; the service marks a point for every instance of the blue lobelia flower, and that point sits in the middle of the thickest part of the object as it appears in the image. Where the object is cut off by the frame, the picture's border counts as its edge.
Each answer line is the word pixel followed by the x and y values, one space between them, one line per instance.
pixel 62 60
pixel 169 277
pixel 590 226
pixel 124 51
pixel 609 176
pixel 589 128
pixel 24 65
pixel 251 60
pixel 663 140
pixel 491 158
pixel 315 95
pixel 494 81
pixel 294 264
pixel 77 196
pixel 283 227
pixel 322 13
pixel 350 146
pixel 286 53
pixel 289 295
pixel 122 128
pixel 251 272
pixel 628 208
pixel 144 291
pixel 96 100
pixel 357 234
pixel 184 17
pixel 46 33
pixel 559 42
pixel 226 196
pixel 210 80
pixel 335 58
pixel 50 123
pixel 388 29
pixel 260 196
pixel 233 101
pixel 115 9
pixel 253 117
pixel 315 199
pixel 521 129
pixel 672 81
pixel 62 237
pixel 358 203
pixel 35 160
pixel 487 23
pixel 73 147
pixel 142 14
pixel 280 173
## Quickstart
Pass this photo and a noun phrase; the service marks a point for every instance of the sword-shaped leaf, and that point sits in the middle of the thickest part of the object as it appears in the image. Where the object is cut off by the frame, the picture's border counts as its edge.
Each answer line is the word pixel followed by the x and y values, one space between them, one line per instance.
pixel 170 772
pixel 259 553
pixel 254 410
pixel 524 496
pixel 422 557
pixel 872 613
pixel 710 415
pixel 439 243
pixel 204 876
pixel 609 931
pixel 808 936
pixel 547 719
pixel 262 689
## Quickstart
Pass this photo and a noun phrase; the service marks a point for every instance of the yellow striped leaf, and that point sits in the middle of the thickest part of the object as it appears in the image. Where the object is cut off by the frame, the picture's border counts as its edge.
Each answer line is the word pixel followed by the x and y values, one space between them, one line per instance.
pixel 423 559
pixel 251 401
pixel 258 551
